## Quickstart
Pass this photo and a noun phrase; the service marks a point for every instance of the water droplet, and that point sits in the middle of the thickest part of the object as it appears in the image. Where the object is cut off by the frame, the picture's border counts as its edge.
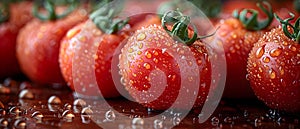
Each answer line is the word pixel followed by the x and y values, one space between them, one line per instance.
pixel 20 124
pixel 79 102
pixel 26 94
pixel 38 116
pixel 141 36
pixel 68 106
pixel 137 121
pixel 158 124
pixel 293 48
pixel 275 52
pixel 260 51
pixel 130 50
pixel 86 114
pixel 147 66
pixel 10 82
pixel 15 111
pixel 257 122
pixel 148 55
pixel 110 115
pixel 2 112
pixel 246 113
pixel 272 74
pixel 68 115
pixel 228 120
pixel 266 59
pixel 215 121
pixel 4 89
pixel 3 122
pixel 54 100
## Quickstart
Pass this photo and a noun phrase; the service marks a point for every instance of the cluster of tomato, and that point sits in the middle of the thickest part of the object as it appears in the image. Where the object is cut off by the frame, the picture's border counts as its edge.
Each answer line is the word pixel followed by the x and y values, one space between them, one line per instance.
pixel 262 53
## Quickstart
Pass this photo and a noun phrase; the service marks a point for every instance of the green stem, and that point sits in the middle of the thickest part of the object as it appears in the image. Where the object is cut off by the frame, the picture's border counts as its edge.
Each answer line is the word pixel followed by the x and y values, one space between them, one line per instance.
pixel 295 35
pixel 49 5
pixel 251 23
pixel 180 27
pixel 4 12
pixel 104 18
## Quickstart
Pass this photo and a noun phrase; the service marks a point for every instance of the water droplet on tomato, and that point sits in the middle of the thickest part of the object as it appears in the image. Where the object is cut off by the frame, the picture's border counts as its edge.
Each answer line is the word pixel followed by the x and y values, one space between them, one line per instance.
pixel 147 66
pixel 275 52
pixel 272 74
pixel 141 36
pixel 260 52
pixel 215 121
pixel 38 116
pixel 158 124
pixel 137 121
pixel 293 48
pixel 4 89
pixel 266 59
pixel 148 55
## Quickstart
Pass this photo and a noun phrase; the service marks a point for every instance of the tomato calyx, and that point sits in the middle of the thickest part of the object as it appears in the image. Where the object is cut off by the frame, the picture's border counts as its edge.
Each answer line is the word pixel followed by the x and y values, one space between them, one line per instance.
pixel 104 18
pixel 251 23
pixel 180 26
pixel 295 35
pixel 50 5
pixel 4 12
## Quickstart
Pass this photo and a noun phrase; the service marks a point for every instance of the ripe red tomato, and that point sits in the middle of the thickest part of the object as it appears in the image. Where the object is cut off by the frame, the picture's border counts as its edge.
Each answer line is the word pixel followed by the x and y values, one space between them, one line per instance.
pixel 19 15
pixel 237 38
pixel 273 67
pixel 38 47
pixel 152 55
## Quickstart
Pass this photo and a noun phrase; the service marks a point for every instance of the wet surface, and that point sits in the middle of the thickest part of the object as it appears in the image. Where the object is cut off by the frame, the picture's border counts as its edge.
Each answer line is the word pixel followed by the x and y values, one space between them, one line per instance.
pixel 39 107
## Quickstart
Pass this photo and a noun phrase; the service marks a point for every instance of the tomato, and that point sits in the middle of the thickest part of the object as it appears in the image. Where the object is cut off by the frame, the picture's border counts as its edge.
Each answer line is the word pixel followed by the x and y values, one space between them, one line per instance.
pixel 273 67
pixel 149 56
pixel 19 15
pixel 38 47
pixel 237 38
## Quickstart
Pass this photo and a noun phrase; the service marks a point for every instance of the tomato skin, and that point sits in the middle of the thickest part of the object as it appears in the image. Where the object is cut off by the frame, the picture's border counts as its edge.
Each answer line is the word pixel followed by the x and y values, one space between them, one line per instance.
pixel 20 14
pixel 81 37
pixel 273 67
pixel 237 43
pixel 145 52
pixel 38 47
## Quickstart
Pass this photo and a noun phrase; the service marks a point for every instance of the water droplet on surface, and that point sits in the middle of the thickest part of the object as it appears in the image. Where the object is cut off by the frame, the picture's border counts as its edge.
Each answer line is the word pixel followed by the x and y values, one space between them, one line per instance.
pixel 147 66
pixel 79 102
pixel 141 36
pixel 25 85
pixel 148 55
pixel 20 124
pixel 137 121
pixel 158 124
pixel 2 112
pixel 4 89
pixel 68 115
pixel 272 74
pixel 15 111
pixel 68 106
pixel 275 52
pixel 54 100
pixel 86 113
pixel 3 122
pixel 246 113
pixel 260 52
pixel 38 116
pixel 26 94
pixel 215 121
pixel 266 59
pixel 110 115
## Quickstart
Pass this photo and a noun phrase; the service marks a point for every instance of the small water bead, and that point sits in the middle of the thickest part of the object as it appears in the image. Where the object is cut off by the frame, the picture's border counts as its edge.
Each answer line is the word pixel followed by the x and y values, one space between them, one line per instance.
pixel 158 124
pixel 110 115
pixel 87 112
pixel 3 122
pixel 79 102
pixel 148 55
pixel 266 59
pixel 147 66
pixel 54 100
pixel 20 124
pixel 15 110
pixel 228 120
pixel 272 74
pixel 68 115
pixel 68 106
pixel 38 116
pixel 26 94
pixel 141 36
pixel 137 121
